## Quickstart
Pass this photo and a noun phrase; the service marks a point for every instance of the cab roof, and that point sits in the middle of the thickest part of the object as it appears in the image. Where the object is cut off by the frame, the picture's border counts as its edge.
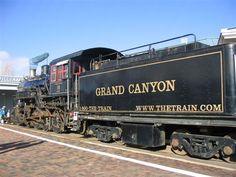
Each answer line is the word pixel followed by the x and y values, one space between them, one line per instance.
pixel 88 54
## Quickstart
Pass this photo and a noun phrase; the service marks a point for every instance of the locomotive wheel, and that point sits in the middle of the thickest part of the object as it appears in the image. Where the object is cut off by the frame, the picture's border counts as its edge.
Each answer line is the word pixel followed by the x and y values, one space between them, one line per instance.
pixel 223 153
pixel 39 125
pixel 46 125
pixel 225 157
pixel 57 125
pixel 13 118
pixel 19 118
pixel 175 147
pixel 179 150
pixel 30 124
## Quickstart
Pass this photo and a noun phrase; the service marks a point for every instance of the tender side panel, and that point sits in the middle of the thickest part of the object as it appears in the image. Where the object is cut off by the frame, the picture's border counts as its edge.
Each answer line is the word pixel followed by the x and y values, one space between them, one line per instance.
pixel 181 85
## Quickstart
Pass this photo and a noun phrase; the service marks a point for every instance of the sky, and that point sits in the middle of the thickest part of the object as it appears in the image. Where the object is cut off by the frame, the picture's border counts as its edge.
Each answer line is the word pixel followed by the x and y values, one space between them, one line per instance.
pixel 29 28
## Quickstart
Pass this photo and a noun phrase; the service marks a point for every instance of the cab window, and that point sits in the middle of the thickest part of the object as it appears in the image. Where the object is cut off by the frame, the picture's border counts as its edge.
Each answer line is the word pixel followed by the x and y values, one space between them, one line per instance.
pixel 59 72
pixel 53 73
pixel 76 68
pixel 65 71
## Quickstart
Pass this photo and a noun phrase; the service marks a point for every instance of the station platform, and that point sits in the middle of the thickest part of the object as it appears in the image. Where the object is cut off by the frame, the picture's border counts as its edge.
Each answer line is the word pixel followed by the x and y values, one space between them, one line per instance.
pixel 34 153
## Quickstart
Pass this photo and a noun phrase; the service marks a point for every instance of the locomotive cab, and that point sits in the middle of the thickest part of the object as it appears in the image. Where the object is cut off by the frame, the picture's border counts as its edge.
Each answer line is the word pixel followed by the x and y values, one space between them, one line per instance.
pixel 59 73
pixel 88 60
pixel 65 72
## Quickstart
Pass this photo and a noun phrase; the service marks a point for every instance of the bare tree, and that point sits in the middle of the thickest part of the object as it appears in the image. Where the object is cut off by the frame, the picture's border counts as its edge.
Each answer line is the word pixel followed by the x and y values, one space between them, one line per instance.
pixel 7 69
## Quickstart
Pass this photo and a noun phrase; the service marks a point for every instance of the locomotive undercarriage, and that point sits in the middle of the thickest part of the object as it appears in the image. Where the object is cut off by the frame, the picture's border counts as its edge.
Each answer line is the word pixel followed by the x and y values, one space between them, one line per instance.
pixel 194 141
pixel 46 114
pixel 104 133
pixel 203 146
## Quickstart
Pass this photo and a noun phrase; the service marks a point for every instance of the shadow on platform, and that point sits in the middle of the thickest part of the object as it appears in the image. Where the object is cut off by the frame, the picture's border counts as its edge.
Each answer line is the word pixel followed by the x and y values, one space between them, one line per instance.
pixel 7 147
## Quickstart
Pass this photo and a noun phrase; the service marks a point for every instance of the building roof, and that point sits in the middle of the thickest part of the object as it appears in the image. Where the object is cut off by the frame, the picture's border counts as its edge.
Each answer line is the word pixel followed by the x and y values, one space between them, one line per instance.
pixel 227 35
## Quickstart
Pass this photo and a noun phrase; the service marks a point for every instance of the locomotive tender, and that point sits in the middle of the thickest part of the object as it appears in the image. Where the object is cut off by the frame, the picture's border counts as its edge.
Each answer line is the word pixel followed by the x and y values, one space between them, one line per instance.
pixel 184 95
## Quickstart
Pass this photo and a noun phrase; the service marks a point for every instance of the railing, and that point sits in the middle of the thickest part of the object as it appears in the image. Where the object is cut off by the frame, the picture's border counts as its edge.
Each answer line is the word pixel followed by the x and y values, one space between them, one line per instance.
pixel 119 54
pixel 11 79
pixel 159 42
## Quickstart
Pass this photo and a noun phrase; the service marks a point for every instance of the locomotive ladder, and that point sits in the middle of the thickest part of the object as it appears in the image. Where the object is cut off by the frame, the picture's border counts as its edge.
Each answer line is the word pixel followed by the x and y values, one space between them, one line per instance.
pixel 68 93
pixel 76 91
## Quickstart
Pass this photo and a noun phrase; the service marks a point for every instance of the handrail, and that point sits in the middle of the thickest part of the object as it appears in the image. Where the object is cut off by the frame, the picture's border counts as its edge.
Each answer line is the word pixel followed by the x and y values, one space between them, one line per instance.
pixel 150 44
pixel 167 40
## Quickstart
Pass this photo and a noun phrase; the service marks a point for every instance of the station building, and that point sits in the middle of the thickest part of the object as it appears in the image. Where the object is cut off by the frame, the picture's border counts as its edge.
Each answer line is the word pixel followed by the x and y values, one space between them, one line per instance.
pixel 8 88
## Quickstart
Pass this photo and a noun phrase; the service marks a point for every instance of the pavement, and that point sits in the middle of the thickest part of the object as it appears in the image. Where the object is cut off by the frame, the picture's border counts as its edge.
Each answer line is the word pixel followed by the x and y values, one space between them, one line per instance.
pixel 25 156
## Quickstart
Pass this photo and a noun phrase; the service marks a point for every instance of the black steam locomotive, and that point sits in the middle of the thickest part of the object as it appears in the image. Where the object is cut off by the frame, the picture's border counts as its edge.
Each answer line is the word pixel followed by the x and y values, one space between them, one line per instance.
pixel 182 95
